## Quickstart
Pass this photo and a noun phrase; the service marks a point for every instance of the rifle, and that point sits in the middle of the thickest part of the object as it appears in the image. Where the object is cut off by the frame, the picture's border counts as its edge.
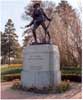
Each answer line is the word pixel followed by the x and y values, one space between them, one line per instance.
pixel 48 24
pixel 51 19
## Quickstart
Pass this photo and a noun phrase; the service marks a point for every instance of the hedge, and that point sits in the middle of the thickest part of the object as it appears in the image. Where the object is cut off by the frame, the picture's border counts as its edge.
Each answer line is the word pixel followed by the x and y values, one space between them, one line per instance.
pixel 11 71
pixel 71 73
pixel 10 77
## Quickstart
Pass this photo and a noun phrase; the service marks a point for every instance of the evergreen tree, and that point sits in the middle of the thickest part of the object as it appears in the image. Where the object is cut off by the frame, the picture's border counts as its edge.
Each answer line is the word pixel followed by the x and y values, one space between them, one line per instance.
pixel 9 42
pixel 4 49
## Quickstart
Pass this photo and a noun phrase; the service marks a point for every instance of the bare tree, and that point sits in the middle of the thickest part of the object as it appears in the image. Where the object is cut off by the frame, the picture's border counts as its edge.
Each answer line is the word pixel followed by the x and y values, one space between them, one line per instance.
pixel 65 30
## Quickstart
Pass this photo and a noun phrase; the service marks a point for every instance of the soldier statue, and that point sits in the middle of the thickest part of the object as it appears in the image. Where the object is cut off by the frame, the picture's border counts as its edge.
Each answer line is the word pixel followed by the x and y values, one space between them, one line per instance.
pixel 39 18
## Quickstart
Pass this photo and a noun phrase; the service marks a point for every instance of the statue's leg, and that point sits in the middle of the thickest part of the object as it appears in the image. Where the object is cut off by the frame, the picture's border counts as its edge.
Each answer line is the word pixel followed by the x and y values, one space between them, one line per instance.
pixel 46 31
pixel 34 32
pixel 34 35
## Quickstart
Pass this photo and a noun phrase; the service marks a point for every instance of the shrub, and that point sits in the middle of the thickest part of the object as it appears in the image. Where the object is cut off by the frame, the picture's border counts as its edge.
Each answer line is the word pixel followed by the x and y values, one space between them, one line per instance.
pixel 10 77
pixel 62 87
pixel 16 84
pixel 71 71
pixel 11 71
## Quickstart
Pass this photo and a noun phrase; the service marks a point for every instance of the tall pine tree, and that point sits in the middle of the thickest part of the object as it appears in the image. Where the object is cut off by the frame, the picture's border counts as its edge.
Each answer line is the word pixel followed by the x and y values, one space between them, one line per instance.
pixel 9 41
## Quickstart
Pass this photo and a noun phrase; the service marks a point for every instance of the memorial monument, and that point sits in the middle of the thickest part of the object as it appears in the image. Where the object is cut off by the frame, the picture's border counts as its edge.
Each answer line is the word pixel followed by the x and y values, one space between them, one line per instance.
pixel 41 62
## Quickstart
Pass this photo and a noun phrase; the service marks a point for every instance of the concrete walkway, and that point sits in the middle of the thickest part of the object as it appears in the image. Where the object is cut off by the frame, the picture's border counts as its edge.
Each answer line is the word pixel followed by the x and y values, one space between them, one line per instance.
pixel 8 93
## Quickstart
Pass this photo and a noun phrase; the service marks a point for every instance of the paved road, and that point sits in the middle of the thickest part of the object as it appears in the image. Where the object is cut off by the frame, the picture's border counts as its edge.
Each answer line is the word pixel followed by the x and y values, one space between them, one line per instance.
pixel 78 95
pixel 8 93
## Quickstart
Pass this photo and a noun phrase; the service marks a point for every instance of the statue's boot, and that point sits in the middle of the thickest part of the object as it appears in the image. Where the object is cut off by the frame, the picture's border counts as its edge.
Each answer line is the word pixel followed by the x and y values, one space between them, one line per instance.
pixel 49 39
pixel 44 40
pixel 34 43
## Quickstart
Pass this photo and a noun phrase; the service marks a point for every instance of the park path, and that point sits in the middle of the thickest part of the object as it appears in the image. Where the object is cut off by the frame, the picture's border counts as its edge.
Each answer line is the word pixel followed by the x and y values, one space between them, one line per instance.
pixel 8 93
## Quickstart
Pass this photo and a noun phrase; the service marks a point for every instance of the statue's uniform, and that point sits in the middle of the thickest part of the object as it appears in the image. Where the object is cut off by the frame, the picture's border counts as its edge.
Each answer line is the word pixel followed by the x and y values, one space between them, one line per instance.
pixel 38 18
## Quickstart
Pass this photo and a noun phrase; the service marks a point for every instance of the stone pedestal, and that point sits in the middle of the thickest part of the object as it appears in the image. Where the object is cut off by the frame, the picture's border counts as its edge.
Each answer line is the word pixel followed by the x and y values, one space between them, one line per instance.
pixel 41 66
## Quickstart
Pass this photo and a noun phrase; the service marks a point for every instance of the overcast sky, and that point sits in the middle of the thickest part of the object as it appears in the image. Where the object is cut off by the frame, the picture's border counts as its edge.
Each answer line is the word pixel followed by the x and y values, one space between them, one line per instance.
pixel 15 8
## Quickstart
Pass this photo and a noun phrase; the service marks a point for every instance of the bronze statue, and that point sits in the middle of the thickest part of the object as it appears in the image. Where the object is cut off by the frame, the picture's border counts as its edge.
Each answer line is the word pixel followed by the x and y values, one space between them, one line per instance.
pixel 39 18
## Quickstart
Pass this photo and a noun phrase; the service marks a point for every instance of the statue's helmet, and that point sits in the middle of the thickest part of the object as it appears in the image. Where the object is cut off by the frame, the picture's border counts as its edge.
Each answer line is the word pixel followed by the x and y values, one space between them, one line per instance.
pixel 36 5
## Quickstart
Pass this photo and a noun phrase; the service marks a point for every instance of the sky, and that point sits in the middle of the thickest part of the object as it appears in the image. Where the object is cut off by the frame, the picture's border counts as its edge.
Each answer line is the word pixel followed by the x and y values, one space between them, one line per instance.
pixel 15 8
